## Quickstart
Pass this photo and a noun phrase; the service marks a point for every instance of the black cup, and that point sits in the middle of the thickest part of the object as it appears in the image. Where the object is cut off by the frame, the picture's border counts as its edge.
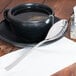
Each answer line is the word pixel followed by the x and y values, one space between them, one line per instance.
pixel 30 31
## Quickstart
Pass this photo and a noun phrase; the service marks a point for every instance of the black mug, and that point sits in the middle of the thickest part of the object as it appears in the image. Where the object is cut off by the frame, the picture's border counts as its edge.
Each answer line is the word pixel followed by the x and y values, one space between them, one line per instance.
pixel 30 30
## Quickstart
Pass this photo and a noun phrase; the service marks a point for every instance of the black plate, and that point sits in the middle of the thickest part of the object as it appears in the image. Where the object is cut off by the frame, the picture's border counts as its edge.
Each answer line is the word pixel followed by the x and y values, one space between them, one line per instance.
pixel 7 35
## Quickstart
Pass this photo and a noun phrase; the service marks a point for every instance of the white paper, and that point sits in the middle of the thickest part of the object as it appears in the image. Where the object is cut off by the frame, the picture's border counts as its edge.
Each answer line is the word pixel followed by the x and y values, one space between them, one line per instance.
pixel 44 61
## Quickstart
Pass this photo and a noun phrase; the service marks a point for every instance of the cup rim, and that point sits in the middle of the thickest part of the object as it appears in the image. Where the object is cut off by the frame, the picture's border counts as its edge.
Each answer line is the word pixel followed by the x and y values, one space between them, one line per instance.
pixel 29 5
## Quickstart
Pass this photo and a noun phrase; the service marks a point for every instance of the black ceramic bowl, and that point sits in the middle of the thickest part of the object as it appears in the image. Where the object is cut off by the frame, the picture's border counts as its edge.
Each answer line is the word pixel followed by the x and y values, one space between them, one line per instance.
pixel 30 22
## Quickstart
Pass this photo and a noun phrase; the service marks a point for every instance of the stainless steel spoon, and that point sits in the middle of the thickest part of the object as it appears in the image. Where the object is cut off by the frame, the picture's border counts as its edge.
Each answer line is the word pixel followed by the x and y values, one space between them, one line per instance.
pixel 55 32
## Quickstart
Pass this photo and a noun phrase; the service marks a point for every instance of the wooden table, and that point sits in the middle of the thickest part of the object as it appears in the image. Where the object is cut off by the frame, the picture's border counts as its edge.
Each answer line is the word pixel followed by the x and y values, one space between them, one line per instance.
pixel 68 71
pixel 62 8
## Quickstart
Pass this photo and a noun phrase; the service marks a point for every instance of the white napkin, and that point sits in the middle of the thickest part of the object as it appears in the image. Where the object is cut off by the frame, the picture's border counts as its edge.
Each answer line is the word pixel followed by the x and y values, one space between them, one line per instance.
pixel 44 61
